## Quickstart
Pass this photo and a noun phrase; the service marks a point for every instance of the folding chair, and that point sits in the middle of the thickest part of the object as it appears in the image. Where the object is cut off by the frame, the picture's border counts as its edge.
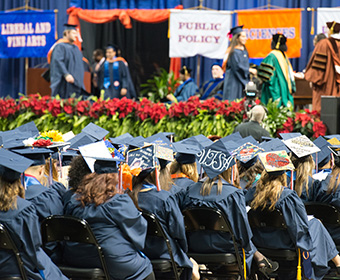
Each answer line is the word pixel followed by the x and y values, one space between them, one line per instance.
pixel 162 268
pixel 210 220
pixel 6 243
pixel 66 228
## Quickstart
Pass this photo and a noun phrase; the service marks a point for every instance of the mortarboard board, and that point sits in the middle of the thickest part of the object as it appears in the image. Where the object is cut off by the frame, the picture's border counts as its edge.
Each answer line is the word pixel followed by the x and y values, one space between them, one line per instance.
pixel 159 139
pixel 37 155
pixel 143 158
pixel 12 165
pixel 215 159
pixel 232 137
pixel 286 136
pixel 276 162
pixel 70 26
pixel 247 153
pixel 169 135
pixel 266 138
pixel 336 136
pixel 67 156
pixel 279 40
pixel 335 149
pixel 121 139
pixel 235 30
pixel 200 140
pixel 301 146
pixel 136 142
pixel 248 139
pixel 274 145
pixel 333 26
pixel 185 153
pixel 30 128
pixel 324 155
pixel 95 131
pixel 81 139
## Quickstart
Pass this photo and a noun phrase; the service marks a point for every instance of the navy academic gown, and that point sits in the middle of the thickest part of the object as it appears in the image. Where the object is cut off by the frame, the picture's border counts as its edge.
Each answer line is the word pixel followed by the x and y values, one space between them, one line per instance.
pixel 310 236
pixel 66 59
pixel 236 75
pixel 120 230
pixel 231 202
pixel 186 90
pixel 212 88
pixel 24 228
pixel 179 189
pixel 112 77
pixel 164 206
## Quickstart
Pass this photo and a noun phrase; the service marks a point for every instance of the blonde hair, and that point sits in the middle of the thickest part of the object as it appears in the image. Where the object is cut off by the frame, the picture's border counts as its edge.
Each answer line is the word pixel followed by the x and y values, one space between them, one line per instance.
pixel 54 170
pixel 189 169
pixel 334 181
pixel 268 188
pixel 304 168
pixel 8 194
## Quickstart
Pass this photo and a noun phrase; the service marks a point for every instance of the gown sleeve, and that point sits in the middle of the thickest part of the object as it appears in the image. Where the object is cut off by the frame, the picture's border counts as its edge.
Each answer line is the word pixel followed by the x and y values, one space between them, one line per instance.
pixel 123 74
pixel 238 67
pixel 58 60
pixel 268 65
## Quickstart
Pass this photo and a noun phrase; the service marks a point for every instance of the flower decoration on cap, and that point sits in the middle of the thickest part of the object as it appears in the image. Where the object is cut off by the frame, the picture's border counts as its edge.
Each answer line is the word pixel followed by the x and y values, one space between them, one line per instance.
pixel 55 135
pixel 127 173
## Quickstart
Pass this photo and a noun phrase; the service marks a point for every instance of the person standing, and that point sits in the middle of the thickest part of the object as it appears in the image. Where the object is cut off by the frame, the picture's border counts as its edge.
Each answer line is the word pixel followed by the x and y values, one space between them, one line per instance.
pixel 98 58
pixel 236 62
pixel 276 73
pixel 323 68
pixel 66 65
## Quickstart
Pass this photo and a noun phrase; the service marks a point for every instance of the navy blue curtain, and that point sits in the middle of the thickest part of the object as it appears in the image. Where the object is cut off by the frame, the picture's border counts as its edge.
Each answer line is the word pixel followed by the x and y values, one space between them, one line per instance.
pixel 12 78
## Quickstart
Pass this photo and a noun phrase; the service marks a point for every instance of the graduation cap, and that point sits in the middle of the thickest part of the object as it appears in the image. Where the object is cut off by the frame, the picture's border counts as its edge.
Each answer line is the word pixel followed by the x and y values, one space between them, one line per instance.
pixel 29 128
pixel 216 64
pixel 12 165
pixel 67 156
pixel 248 139
pixel 274 145
pixel 324 156
pixel 159 139
pixel 143 158
pixel 169 135
pixel 336 136
pixel 235 30
pixel 37 155
pixel 215 159
pixel 95 131
pixel 105 165
pixel 266 138
pixel 286 136
pixel 185 153
pixel 81 139
pixel 232 137
pixel 301 146
pixel 70 26
pixel 279 40
pixel 121 139
pixel 333 26
pixel 136 142
pixel 199 140
pixel 247 154
pixel 276 162
pixel 335 149
pixel 185 70
pixel 333 141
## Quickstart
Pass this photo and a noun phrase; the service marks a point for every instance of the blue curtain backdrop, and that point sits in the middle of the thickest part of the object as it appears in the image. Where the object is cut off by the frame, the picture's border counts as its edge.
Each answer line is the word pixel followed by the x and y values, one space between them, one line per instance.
pixel 12 76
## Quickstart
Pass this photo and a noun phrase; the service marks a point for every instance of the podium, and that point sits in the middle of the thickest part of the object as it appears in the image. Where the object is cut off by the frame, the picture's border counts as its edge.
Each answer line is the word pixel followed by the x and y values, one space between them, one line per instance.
pixel 37 84
pixel 330 113
pixel 304 93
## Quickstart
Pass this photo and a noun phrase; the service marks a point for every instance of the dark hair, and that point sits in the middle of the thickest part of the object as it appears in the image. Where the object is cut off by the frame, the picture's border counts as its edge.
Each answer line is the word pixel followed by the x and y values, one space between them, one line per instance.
pixel 250 173
pixel 319 37
pixel 9 191
pixel 78 169
pixel 234 43
pixel 282 47
pixel 98 52
pixel 97 188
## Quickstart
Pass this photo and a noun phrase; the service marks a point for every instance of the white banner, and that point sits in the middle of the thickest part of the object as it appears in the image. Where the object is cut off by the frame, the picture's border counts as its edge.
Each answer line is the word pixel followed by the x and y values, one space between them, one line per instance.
pixel 194 32
pixel 326 15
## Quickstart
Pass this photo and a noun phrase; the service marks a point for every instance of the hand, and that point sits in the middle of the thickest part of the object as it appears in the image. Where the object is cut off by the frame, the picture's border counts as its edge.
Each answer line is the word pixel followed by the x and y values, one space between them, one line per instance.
pixel 69 78
pixel 253 71
pixel 170 97
pixel 123 91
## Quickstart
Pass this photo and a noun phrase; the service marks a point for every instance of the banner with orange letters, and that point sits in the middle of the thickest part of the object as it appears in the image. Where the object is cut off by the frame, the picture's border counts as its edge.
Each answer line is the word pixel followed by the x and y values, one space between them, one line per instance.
pixel 260 25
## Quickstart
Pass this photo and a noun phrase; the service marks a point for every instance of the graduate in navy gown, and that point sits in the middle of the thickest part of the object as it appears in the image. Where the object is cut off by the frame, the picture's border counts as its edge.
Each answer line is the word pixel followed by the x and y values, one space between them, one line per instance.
pixel 117 224
pixel 149 196
pixel 114 76
pixel 67 66
pixel 213 87
pixel 217 191
pixel 19 217
pixel 237 65
pixel 322 159
pixel 308 235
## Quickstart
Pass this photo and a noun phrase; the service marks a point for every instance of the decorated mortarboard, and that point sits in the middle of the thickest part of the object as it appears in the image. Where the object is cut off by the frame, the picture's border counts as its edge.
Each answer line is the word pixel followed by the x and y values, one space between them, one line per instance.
pixel 276 161
pixel 12 165
pixel 236 136
pixel 301 146
pixel 331 136
pixel 70 26
pixel 114 152
pixel 235 30
pixel 143 158
pixel 92 151
pixel 164 149
pixel 333 141
pixel 215 159
pixel 286 136
pixel 247 153
pixel 333 26
pixel 274 145
pixel 121 139
pixel 37 155
pixel 324 156
pixel 185 153
pixel 95 131
pixel 81 139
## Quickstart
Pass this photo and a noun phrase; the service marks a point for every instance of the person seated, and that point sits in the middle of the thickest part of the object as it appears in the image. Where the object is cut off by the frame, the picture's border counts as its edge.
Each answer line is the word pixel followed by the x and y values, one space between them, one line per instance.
pixel 213 87
pixel 219 191
pixel 186 89
pixel 308 235
pixel 117 224
pixel 253 127
pixel 20 218
pixel 322 159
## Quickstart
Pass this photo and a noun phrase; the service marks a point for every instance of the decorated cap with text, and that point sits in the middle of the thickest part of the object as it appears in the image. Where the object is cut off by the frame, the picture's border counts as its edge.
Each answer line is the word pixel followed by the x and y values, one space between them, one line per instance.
pixel 276 161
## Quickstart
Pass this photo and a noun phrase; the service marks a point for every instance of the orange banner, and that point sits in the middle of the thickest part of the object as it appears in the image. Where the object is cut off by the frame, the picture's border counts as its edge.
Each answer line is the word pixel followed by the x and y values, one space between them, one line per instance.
pixel 260 25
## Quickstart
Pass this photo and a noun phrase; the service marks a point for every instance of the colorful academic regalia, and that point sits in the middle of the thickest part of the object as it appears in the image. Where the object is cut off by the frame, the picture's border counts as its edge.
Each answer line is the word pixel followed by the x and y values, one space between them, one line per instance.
pixel 212 88
pixel 278 81
pixel 309 235
pixel 23 225
pixel 164 206
pixel 66 59
pixel 186 90
pixel 236 75
pixel 120 230
pixel 231 202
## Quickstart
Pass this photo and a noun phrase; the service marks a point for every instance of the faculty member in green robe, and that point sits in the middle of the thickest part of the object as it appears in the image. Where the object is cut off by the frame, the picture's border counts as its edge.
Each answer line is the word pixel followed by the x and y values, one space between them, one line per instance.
pixel 276 73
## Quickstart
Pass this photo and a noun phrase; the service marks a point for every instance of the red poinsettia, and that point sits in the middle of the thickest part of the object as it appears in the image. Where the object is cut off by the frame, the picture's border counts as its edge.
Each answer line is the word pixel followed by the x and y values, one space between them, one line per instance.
pixel 303 118
pixel 54 107
pixel 319 129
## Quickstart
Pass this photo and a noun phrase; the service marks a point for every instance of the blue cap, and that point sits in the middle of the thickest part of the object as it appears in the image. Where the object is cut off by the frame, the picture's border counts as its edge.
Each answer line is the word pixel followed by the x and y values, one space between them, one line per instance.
pixel 185 153
pixel 216 64
pixel 136 142
pixel 215 159
pixel 266 138
pixel 247 153
pixel 199 140
pixel 30 128
pixel 237 29
pixel 337 136
pixel 324 155
pixel 248 139
pixel 70 26
pixel 67 156
pixel 274 145
pixel 95 131
pixel 12 165
pixel 143 158
pixel 121 139
pixel 81 139
pixel 105 165
pixel 236 136
pixel 37 155
pixel 286 136
pixel 159 139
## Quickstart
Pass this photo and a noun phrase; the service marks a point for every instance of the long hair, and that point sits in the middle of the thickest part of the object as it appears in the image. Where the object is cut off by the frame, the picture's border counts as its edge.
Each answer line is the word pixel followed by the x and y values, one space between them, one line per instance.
pixel 165 179
pixel 249 174
pixel 97 188
pixel 234 42
pixel 137 184
pixel 304 168
pixel 268 189
pixel 335 179
pixel 47 171
pixel 189 169
pixel 9 193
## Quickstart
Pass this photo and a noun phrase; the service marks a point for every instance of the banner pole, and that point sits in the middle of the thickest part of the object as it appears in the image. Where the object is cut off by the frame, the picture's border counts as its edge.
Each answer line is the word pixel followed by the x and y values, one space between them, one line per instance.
pixel 198 70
